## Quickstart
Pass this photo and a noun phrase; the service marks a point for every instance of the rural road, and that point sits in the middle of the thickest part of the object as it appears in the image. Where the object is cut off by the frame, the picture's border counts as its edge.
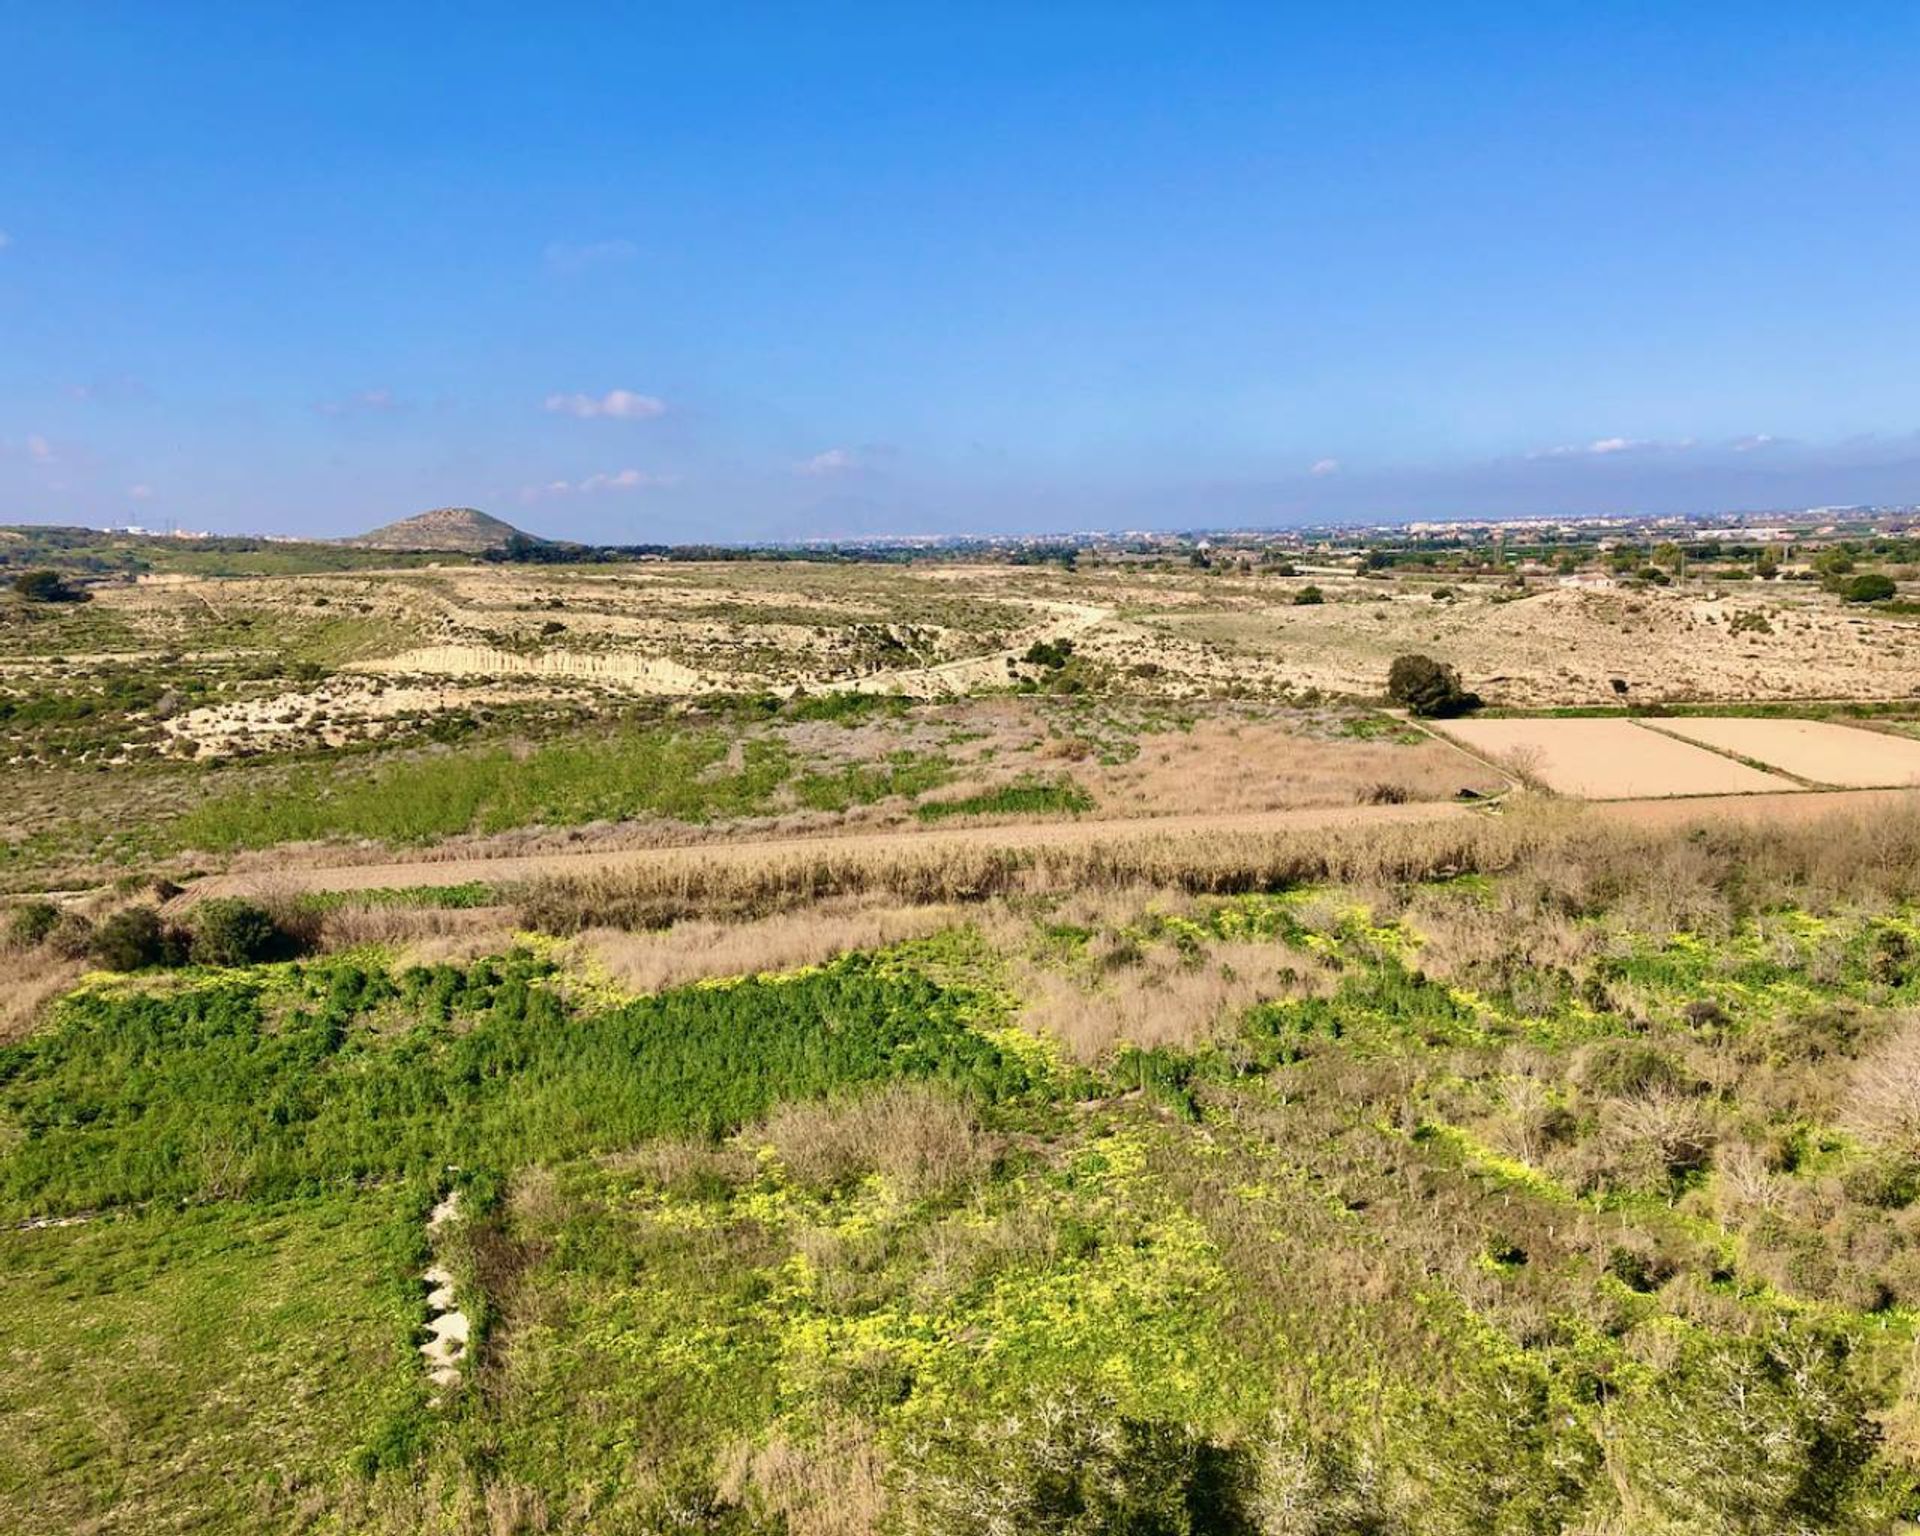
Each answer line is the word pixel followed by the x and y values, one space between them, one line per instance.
pixel 427 871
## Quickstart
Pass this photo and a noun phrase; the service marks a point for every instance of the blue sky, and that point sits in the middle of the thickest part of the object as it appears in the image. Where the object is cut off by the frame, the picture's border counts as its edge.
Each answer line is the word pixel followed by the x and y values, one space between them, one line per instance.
pixel 667 272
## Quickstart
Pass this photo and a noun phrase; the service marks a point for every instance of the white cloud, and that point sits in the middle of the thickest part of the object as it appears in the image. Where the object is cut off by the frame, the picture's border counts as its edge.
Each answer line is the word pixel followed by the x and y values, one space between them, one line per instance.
pixel 615 480
pixel 140 493
pixel 39 449
pixel 1605 447
pixel 615 404
pixel 372 401
pixel 1755 440
pixel 835 461
pixel 570 260
pixel 1325 467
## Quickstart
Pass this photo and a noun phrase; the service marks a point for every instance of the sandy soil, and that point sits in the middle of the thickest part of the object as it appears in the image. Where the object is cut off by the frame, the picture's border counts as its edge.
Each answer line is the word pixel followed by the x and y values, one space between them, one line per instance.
pixel 1609 759
pixel 935 632
pixel 343 709
pixel 1566 646
pixel 644 674
pixel 1815 750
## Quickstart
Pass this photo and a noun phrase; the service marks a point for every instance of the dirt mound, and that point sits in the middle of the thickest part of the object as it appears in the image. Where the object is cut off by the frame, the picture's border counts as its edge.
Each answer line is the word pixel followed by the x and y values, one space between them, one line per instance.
pixel 458 530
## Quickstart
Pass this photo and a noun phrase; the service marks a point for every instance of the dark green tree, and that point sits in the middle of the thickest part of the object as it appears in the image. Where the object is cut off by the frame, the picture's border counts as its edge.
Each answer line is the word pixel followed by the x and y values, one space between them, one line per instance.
pixel 1428 688
pixel 47 587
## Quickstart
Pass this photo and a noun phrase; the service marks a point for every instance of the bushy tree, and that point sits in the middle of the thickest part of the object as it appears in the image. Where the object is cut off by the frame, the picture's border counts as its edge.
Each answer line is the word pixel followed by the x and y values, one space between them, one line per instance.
pixel 1428 688
pixel 133 939
pixel 47 587
pixel 31 922
pixel 1307 596
pixel 231 931
pixel 1871 587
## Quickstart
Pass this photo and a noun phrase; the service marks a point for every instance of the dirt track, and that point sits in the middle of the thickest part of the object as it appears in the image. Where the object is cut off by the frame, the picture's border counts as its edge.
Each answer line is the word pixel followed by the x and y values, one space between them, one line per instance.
pixel 1797 805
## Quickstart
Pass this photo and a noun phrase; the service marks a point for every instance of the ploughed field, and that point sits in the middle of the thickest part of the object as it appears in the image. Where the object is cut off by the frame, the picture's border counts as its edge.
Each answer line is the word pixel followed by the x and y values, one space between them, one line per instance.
pixel 1623 759
pixel 1815 750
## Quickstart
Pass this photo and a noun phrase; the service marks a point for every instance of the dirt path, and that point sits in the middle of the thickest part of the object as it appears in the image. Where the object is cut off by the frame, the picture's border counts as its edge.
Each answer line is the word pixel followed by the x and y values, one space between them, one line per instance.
pixel 460 871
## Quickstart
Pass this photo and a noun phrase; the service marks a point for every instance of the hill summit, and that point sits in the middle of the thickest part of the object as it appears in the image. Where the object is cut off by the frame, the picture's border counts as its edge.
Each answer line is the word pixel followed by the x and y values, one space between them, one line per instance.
pixel 458 530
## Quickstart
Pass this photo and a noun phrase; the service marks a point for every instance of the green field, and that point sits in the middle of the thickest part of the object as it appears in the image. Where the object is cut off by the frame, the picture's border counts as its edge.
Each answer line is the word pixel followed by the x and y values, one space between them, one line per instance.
pixel 1579 1197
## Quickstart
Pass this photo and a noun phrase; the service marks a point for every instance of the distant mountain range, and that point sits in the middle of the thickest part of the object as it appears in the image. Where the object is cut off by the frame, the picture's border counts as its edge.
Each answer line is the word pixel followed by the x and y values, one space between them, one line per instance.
pixel 457 530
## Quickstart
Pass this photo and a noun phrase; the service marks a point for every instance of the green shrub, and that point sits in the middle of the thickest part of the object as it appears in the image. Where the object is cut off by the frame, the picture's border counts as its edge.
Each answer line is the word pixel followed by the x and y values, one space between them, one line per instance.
pixel 1428 688
pixel 31 922
pixel 47 587
pixel 1871 587
pixel 1308 596
pixel 71 937
pixel 232 931
pixel 381 1076
pixel 133 939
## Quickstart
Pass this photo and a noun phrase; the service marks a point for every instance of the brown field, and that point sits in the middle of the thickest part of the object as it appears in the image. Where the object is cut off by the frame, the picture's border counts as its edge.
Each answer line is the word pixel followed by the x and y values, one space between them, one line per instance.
pixel 1815 750
pixel 1609 759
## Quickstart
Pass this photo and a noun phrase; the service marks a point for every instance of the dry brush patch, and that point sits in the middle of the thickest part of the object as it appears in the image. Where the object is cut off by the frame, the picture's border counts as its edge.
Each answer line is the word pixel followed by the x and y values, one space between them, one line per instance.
pixel 922 1140
pixel 696 948
pixel 1675 869
pixel 1237 767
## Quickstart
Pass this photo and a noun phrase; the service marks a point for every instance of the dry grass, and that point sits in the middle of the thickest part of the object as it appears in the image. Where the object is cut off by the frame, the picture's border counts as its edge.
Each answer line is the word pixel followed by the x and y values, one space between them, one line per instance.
pixel 1670 873
pixel 34 979
pixel 926 871
pixel 922 1141
pixel 1234 767
pixel 1883 1099
pixel 834 1486
pixel 672 1163
pixel 442 932
pixel 1159 995
pixel 696 949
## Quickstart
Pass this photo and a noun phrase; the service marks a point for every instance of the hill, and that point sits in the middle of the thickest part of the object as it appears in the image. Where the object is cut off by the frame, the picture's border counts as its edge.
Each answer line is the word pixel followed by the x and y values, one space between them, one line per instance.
pixel 462 530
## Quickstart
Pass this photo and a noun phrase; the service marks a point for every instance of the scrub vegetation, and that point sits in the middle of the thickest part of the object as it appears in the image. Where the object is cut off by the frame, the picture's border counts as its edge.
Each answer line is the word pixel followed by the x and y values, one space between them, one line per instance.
pixel 1543 1177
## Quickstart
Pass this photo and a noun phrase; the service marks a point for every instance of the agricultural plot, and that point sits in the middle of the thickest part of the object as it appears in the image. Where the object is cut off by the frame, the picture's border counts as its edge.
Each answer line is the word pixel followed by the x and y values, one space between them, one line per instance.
pixel 1816 750
pixel 1609 759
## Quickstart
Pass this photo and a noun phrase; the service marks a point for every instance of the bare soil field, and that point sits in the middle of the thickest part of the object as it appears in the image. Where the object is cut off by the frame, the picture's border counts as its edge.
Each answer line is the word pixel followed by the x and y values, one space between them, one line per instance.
pixel 1609 759
pixel 1816 750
